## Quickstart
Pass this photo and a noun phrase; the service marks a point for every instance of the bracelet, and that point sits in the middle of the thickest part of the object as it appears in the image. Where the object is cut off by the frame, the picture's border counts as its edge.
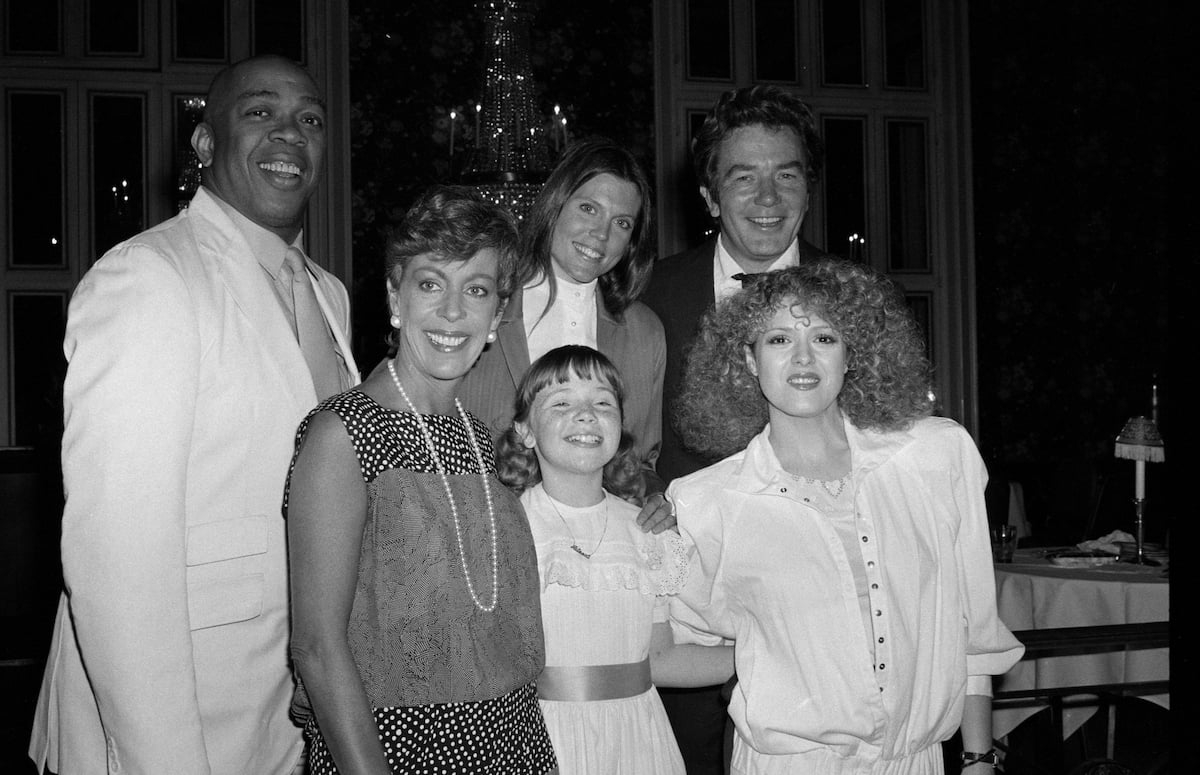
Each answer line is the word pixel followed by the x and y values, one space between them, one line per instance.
pixel 990 757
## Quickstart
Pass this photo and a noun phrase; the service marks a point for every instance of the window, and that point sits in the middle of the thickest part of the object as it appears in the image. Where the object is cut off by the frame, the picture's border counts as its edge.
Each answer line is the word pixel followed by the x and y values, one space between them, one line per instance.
pixel 885 80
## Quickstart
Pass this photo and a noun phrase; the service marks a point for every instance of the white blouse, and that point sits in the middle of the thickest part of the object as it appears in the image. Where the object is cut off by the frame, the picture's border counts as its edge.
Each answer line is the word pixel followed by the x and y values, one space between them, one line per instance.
pixel 770 572
pixel 571 319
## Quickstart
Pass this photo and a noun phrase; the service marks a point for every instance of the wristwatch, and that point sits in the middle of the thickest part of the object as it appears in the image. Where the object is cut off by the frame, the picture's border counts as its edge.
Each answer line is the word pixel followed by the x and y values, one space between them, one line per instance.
pixel 991 757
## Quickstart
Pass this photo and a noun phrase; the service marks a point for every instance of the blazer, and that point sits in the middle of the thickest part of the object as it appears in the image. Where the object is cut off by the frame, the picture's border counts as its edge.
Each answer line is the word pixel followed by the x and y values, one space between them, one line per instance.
pixel 184 389
pixel 634 343
pixel 680 292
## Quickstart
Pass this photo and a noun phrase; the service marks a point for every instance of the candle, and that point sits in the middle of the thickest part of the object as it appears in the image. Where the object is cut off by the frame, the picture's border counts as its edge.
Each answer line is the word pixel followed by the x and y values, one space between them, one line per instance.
pixel 478 134
pixel 1139 482
pixel 453 116
pixel 554 126
pixel 564 129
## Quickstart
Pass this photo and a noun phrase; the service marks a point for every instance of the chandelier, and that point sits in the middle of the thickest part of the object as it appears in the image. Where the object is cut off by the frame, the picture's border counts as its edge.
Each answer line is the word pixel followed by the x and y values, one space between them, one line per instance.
pixel 511 158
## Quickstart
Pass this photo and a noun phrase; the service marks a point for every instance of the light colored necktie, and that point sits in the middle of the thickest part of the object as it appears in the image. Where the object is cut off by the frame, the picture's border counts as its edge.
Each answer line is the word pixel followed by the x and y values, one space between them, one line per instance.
pixel 311 329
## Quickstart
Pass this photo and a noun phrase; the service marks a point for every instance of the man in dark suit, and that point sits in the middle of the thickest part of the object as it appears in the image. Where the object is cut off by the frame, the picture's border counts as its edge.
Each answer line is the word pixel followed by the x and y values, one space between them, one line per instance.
pixel 757 157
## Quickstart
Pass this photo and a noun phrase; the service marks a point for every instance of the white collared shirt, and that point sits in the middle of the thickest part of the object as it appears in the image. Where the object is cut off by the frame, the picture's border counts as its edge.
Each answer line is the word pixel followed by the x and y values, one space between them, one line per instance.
pixel 724 267
pixel 571 320
pixel 270 251
pixel 771 572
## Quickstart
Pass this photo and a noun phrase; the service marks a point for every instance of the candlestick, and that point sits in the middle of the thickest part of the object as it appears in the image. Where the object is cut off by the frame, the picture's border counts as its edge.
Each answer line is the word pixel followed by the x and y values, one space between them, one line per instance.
pixel 453 115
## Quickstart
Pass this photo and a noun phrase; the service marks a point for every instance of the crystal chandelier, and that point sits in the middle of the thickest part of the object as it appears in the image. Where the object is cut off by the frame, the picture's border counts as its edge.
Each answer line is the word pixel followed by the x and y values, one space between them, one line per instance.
pixel 510 160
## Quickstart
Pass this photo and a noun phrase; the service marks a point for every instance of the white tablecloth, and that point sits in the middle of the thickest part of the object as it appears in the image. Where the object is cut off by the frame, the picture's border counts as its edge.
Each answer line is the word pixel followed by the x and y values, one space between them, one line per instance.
pixel 1034 594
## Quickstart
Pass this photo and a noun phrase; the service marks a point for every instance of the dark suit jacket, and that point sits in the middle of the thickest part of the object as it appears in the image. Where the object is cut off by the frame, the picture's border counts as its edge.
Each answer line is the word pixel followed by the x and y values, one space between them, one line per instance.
pixel 681 290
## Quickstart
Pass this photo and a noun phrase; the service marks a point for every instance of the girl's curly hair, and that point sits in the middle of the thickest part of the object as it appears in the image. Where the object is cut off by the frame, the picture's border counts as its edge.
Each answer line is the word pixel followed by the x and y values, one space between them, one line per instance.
pixel 721 407
pixel 517 465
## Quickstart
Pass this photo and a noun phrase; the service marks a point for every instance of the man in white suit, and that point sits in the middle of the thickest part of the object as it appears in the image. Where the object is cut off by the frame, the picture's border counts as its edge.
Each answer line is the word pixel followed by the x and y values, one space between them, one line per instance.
pixel 185 385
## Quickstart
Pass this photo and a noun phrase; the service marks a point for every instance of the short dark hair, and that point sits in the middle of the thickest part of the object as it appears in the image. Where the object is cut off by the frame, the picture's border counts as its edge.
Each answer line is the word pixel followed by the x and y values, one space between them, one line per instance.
pixel 768 106
pixel 454 223
pixel 582 161
pixel 517 465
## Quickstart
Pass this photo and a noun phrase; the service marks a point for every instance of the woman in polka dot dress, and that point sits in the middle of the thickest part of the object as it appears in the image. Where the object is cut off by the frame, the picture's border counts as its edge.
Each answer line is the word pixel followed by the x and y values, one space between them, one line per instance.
pixel 416 634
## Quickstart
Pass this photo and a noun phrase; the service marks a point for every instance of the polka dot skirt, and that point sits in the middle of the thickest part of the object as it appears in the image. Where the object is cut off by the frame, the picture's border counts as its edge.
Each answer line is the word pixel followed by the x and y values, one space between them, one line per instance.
pixel 504 735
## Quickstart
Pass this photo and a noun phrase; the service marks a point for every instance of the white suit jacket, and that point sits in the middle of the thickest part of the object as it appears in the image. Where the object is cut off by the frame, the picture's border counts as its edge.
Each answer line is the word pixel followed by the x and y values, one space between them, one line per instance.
pixel 184 389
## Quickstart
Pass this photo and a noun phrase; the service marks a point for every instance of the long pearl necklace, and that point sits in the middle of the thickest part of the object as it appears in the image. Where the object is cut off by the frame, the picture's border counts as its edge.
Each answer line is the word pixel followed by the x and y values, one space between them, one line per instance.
pixel 441 469
pixel 574 543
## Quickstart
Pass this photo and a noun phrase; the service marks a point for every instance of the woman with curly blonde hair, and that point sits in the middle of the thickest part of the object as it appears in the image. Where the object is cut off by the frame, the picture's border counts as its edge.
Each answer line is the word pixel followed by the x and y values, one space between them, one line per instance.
pixel 843 544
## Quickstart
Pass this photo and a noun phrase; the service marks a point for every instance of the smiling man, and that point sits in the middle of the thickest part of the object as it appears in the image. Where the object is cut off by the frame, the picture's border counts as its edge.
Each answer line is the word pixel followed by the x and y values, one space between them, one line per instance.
pixel 194 351
pixel 757 157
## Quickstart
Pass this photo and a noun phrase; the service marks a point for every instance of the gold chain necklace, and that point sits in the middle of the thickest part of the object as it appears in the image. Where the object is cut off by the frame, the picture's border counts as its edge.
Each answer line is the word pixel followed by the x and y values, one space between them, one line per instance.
pixel 441 469
pixel 574 543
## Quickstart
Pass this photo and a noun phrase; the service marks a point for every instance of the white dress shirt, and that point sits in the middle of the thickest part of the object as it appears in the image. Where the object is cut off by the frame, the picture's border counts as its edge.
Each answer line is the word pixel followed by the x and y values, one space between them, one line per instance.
pixel 271 252
pixel 724 267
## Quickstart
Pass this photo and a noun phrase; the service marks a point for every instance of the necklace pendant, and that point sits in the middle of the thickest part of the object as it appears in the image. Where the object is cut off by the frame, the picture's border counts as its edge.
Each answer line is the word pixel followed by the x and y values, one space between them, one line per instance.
pixel 580 552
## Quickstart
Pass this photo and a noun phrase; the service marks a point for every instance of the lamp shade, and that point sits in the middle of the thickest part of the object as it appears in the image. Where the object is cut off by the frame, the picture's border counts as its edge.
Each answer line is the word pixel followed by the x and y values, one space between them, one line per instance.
pixel 1140 440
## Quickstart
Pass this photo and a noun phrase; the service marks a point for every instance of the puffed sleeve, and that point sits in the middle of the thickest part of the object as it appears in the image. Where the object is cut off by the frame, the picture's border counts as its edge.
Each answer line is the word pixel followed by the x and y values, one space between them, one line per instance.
pixel 697 611
pixel 991 647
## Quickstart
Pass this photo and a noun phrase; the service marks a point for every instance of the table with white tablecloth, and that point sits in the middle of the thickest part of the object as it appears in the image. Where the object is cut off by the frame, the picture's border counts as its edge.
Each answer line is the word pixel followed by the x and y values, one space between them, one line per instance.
pixel 1033 594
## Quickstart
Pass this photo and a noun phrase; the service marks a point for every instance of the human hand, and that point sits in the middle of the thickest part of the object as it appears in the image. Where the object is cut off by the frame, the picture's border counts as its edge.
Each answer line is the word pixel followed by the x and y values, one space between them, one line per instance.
pixel 657 514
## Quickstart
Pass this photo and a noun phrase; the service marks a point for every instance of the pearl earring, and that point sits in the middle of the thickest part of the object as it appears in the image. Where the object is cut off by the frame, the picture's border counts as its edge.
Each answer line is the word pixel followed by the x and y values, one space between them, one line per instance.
pixel 395 321
pixel 491 337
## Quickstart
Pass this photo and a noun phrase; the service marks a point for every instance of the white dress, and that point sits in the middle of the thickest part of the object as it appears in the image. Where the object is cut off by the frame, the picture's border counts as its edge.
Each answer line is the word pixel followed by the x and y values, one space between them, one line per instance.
pixel 600 611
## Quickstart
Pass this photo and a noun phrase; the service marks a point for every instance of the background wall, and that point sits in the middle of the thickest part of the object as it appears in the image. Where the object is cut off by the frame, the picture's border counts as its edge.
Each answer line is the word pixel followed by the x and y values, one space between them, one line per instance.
pixel 412 63
pixel 1070 115
pixel 1069 106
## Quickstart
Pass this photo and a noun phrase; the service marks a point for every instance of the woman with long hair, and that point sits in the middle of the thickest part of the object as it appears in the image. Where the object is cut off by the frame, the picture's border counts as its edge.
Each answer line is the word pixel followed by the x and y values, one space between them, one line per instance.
pixel 585 258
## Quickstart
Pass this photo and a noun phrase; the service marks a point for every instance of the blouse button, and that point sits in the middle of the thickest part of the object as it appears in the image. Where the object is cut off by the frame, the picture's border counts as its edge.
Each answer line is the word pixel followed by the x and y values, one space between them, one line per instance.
pixel 865 539
pixel 870 563
pixel 882 666
pixel 878 612
pixel 784 489
pixel 874 586
pixel 881 639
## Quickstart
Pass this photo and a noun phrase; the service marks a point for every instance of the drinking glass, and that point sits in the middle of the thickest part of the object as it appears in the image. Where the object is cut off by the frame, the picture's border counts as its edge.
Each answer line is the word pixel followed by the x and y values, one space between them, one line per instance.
pixel 1004 541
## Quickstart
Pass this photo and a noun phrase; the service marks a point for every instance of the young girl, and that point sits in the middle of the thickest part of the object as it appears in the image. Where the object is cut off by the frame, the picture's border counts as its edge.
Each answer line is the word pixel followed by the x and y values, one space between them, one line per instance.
pixel 603 580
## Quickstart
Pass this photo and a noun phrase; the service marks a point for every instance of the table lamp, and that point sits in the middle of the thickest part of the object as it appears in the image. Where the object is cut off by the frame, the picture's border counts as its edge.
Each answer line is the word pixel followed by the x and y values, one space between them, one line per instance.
pixel 1140 441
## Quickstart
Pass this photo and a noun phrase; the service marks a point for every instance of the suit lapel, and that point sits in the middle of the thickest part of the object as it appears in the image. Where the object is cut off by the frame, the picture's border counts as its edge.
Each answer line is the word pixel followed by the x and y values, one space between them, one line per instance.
pixel 697 293
pixel 250 287
pixel 510 337
pixel 610 338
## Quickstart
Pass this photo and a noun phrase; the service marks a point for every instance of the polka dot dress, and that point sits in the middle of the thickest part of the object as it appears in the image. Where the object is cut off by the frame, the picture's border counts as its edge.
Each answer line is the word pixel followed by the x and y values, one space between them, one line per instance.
pixel 492 736
pixel 504 734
